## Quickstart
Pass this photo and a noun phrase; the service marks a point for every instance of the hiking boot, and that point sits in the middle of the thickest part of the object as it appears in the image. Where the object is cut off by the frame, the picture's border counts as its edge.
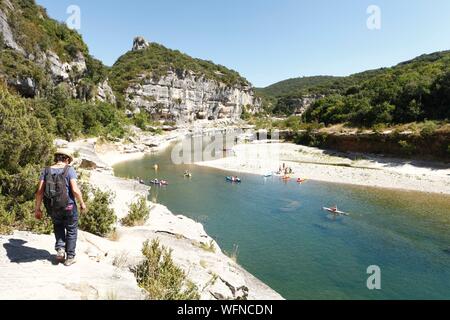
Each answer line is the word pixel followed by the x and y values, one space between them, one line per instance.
pixel 60 255
pixel 69 261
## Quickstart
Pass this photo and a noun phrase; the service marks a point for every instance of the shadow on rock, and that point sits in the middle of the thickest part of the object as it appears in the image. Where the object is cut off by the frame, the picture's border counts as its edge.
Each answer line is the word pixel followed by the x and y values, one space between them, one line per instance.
pixel 18 253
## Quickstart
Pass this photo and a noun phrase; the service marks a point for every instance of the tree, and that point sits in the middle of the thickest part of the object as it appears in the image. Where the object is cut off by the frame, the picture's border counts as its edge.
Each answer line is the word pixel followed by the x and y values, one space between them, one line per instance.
pixel 25 147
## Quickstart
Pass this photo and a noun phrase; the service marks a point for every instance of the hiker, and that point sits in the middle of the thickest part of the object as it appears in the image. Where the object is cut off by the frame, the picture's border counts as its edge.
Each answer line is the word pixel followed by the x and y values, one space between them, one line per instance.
pixel 58 189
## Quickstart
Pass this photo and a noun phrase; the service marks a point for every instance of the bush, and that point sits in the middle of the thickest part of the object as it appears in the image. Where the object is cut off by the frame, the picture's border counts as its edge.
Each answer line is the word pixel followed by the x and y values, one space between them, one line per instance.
pixel 25 148
pixel 379 127
pixel 138 213
pixel 141 120
pixel 161 278
pixel 311 138
pixel 100 218
pixel 406 147
pixel 428 129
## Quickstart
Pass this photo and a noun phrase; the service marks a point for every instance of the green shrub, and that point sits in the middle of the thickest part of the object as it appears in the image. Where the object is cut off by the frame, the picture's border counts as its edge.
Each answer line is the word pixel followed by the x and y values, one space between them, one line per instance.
pixel 141 120
pixel 428 129
pixel 100 218
pixel 209 247
pixel 406 147
pixel 138 213
pixel 311 138
pixel 379 127
pixel 160 277
pixel 25 148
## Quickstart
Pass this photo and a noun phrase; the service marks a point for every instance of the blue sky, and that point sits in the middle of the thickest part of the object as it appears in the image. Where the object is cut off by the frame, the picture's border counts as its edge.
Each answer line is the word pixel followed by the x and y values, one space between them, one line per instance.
pixel 267 40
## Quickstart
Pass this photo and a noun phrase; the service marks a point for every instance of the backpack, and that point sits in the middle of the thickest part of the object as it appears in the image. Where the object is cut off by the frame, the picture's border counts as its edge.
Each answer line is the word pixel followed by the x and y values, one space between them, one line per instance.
pixel 56 196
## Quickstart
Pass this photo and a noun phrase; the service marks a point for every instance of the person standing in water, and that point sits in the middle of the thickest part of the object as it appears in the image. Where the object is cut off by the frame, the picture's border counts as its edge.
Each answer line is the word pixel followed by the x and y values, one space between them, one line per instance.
pixel 58 189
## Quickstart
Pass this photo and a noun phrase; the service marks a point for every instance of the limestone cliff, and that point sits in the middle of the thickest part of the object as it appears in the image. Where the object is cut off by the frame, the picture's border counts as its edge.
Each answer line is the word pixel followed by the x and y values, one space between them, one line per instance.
pixel 173 86
pixel 38 53
pixel 187 97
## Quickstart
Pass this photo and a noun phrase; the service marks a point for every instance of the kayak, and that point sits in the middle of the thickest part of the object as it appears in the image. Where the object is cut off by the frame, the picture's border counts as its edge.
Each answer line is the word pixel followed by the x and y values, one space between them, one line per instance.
pixel 285 178
pixel 189 175
pixel 159 182
pixel 233 179
pixel 301 180
pixel 337 212
pixel 268 175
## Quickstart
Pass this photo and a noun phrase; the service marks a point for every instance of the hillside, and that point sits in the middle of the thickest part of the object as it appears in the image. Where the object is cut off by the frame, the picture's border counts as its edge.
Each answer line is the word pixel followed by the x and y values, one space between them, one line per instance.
pixel 414 90
pixel 38 53
pixel 155 61
pixel 299 86
pixel 170 85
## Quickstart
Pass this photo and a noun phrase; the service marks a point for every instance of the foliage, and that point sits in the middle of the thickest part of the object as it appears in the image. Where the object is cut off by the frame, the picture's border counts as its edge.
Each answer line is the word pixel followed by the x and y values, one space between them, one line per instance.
pixel 74 118
pixel 25 148
pixel 428 129
pixel 138 213
pixel 155 62
pixel 415 90
pixel 38 34
pixel 311 138
pixel 160 277
pixel 209 247
pixel 34 31
pixel 16 66
pixel 142 120
pixel 406 147
pixel 293 123
pixel 301 86
pixel 285 106
pixel 100 218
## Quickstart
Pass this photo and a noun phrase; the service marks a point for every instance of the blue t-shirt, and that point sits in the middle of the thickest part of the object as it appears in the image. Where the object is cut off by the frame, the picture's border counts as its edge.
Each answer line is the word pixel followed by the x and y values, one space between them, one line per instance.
pixel 71 175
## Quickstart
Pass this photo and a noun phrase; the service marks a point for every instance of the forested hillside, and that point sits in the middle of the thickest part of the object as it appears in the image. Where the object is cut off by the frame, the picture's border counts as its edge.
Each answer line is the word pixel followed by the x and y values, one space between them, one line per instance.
pixel 414 90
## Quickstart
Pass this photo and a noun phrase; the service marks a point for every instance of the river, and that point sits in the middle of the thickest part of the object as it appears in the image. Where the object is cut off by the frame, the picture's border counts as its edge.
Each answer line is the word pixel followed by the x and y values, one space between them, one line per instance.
pixel 283 237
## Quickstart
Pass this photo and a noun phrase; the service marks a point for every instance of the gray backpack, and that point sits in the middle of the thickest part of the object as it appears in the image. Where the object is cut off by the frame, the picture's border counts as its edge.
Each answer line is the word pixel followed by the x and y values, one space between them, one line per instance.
pixel 56 196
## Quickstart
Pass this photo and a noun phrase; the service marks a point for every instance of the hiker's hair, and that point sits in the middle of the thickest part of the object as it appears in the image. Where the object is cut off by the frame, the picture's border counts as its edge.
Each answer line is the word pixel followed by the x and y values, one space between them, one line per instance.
pixel 61 158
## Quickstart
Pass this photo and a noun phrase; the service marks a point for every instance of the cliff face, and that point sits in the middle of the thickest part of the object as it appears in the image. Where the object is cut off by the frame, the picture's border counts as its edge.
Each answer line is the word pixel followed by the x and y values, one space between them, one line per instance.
pixel 296 105
pixel 38 53
pixel 188 97
pixel 170 85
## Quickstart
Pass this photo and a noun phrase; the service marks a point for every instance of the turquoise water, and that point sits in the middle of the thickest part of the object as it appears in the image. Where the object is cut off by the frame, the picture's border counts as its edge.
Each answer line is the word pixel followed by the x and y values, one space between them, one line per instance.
pixel 285 239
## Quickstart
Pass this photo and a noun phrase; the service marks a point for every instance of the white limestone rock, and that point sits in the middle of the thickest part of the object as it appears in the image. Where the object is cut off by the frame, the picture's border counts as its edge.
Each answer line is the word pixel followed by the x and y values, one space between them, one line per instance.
pixel 6 31
pixel 189 97
pixel 105 93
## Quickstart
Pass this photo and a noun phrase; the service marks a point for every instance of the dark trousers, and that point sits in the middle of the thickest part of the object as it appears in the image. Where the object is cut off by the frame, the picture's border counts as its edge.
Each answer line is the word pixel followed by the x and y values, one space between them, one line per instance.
pixel 65 226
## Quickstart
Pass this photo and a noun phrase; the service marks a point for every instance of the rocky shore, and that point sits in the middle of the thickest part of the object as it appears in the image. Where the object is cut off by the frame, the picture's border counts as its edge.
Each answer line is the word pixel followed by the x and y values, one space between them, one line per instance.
pixel 103 268
pixel 217 276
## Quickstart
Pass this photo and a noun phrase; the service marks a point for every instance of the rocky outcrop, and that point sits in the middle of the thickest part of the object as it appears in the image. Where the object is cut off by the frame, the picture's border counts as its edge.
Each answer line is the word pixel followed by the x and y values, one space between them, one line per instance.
pixel 71 70
pixel 63 71
pixel 5 30
pixel 26 86
pixel 302 104
pixel 140 43
pixel 105 93
pixel 28 270
pixel 187 97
